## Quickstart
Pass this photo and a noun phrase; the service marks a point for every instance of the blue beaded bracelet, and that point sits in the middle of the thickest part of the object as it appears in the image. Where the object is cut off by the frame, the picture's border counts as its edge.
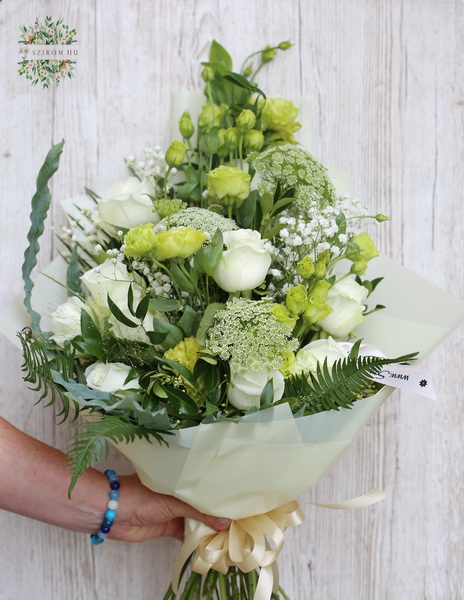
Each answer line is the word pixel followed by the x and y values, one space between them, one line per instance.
pixel 110 514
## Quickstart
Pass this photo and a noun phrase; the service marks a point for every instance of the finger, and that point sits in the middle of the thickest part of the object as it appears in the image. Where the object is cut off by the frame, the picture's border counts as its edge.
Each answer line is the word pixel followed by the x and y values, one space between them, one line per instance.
pixel 214 522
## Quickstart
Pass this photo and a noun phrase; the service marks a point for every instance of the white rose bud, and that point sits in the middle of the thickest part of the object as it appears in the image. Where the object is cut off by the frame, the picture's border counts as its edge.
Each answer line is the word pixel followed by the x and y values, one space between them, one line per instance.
pixel 245 263
pixel 346 299
pixel 245 390
pixel 127 203
pixel 66 320
pixel 109 377
pixel 316 353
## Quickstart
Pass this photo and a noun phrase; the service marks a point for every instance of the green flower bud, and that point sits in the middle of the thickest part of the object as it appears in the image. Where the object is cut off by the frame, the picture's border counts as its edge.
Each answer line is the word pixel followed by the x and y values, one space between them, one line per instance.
pixel 169 206
pixel 223 150
pixel 321 289
pixel 207 74
pixel 210 116
pixel 285 45
pixel 186 127
pixel 246 120
pixel 320 270
pixel 175 154
pixel 305 267
pixel 253 141
pixel 324 256
pixel 359 267
pixel 231 138
pixel 316 310
pixel 229 184
pixel 178 242
pixel 282 314
pixel 296 299
pixel 140 240
pixel 381 218
pixel 367 248
pixel 248 71
pixel 268 54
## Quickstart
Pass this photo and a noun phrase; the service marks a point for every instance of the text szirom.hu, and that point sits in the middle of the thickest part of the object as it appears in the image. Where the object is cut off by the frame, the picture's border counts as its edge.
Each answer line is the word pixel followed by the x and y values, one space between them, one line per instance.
pixel 52 52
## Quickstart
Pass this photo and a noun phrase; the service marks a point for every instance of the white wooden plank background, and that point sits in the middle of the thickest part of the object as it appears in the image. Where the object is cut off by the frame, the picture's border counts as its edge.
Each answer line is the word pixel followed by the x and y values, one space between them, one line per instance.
pixel 386 83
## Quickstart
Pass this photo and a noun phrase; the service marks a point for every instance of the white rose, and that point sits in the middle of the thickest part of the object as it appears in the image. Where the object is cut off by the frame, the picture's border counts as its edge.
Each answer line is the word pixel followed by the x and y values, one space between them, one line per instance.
pixel 127 203
pixel 245 263
pixel 109 377
pixel 109 278
pixel 346 299
pixel 364 349
pixel 66 320
pixel 245 390
pixel 316 353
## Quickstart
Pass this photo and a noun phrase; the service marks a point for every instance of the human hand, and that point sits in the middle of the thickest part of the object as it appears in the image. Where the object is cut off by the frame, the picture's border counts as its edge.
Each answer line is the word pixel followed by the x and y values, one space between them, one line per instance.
pixel 143 514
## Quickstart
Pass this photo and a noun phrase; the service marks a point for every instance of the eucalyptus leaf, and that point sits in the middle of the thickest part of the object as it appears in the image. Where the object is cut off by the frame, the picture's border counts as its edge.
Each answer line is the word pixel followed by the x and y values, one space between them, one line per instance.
pixel 39 209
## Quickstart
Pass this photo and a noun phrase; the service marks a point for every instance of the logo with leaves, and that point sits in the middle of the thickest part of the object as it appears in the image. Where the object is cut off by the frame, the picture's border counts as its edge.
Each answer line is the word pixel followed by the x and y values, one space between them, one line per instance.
pixel 34 65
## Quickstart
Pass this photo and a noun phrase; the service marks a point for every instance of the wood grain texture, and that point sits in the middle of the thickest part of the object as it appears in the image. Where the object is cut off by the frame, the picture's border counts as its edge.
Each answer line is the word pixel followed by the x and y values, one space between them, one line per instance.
pixel 386 86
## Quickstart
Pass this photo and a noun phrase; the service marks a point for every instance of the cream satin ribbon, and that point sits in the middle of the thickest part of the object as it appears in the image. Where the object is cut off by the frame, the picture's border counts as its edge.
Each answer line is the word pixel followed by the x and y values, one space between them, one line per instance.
pixel 251 543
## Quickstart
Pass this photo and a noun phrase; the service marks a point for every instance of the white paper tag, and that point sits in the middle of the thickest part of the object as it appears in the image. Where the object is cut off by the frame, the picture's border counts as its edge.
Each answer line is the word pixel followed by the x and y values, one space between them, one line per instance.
pixel 407 378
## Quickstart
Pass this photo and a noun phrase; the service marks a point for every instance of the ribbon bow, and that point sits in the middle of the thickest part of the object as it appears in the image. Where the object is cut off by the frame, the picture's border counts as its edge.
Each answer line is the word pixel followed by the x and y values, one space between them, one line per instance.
pixel 250 543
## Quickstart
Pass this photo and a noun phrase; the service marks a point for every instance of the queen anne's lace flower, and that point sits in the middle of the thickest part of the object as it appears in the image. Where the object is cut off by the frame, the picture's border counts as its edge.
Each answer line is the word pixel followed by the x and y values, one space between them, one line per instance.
pixel 248 335
pixel 199 218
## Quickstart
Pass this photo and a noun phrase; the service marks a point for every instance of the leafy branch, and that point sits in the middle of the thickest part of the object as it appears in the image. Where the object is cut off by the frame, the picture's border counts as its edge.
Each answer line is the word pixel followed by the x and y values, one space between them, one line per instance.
pixel 87 446
pixel 348 380
pixel 40 360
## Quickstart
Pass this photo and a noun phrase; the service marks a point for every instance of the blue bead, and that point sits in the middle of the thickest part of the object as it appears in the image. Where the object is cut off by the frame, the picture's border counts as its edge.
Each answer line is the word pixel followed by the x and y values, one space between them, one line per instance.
pixel 114 494
pixel 107 523
pixel 105 529
pixel 114 485
pixel 101 535
pixel 110 515
pixel 113 478
pixel 96 540
pixel 110 472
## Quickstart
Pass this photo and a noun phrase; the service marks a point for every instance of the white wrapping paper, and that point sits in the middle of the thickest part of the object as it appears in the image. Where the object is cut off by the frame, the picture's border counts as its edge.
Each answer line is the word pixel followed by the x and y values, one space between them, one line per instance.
pixel 240 469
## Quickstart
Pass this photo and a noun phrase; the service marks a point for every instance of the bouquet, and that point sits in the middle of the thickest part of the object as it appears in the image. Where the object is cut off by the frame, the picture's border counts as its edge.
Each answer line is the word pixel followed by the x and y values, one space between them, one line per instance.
pixel 209 324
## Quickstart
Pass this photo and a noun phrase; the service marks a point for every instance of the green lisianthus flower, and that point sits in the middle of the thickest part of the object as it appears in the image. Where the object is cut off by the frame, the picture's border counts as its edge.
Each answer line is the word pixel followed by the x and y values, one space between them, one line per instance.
pixel 140 240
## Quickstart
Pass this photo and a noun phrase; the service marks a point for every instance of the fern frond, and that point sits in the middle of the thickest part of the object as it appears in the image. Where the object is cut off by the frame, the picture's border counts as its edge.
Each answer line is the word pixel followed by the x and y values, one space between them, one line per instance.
pixel 40 358
pixel 348 380
pixel 87 445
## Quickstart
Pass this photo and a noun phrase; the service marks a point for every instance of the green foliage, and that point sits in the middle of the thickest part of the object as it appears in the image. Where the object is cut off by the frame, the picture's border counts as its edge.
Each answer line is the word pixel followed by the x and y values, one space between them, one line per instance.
pixel 41 359
pixel 348 380
pixel 87 446
pixel 39 208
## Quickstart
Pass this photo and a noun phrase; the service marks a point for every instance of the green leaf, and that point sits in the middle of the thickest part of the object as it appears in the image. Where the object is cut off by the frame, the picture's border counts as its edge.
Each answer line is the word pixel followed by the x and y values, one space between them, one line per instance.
pixel 39 358
pixel 267 395
pixel 189 321
pixel 73 281
pixel 82 394
pixel 142 308
pixel 207 321
pixel 119 315
pixel 266 202
pixel 247 210
pixel 172 333
pixel 219 54
pixel 164 304
pixel 40 205
pixel 180 401
pixel 90 342
pixel 182 281
pixel 348 380
pixel 87 446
